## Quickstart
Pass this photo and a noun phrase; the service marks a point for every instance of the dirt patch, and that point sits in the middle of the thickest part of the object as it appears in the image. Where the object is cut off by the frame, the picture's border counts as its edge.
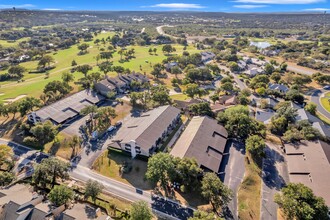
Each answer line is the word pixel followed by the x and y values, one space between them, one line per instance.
pixel 14 99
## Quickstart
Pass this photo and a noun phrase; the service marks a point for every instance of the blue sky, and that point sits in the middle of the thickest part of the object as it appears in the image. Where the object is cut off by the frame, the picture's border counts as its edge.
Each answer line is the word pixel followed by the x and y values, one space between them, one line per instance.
pixel 168 5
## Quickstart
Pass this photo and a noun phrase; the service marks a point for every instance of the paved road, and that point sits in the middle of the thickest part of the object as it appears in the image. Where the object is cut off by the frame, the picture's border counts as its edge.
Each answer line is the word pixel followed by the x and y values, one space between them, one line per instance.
pixel 240 84
pixel 161 31
pixel 133 194
pixel 315 97
pixel 274 176
pixel 233 167
pixel 301 70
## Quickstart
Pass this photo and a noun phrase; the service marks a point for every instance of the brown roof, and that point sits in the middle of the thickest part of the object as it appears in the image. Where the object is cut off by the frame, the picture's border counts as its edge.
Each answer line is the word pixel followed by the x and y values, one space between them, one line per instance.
pixel 203 139
pixel 308 163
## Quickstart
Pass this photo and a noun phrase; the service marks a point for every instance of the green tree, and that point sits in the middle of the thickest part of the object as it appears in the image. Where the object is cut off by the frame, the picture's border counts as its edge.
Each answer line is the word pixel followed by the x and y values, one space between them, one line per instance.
pixel 104 116
pixel 49 170
pixel 44 132
pixel 84 69
pixel 67 77
pixel 299 202
pixel 214 98
pixel 278 125
pixel 105 67
pixel 233 66
pixel 276 77
pixel 74 143
pixel 202 109
pixel 239 124
pixel 160 169
pixel 83 48
pixel 140 211
pixel 227 87
pixel 202 215
pixel 168 49
pixel 60 195
pixel 45 61
pixel 55 86
pixel 191 90
pixel 218 194
pixel 255 145
pixel 157 70
pixel 189 171
pixel 90 110
pixel 160 94
pixel 295 96
pixel 27 104
pixel 311 108
pixel 16 71
pixel 6 178
pixel 269 68
pixel 5 154
pixel 93 189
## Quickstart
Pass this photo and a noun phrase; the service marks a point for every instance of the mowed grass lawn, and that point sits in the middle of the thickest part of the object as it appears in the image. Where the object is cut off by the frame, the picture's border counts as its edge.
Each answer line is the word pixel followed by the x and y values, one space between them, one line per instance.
pixel 34 83
pixel 109 163
pixel 325 101
pixel 6 43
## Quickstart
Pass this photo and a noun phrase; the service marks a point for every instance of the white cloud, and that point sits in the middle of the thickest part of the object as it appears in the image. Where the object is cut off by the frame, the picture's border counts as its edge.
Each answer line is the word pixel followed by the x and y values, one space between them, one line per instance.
pixel 18 6
pixel 249 6
pixel 317 9
pixel 177 6
pixel 279 2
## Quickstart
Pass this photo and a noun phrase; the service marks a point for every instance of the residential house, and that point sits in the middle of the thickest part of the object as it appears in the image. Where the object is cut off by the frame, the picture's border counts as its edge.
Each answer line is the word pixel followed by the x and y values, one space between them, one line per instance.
pixel 309 164
pixel 120 85
pixel 264 116
pixel 66 109
pixel 278 87
pixel 104 87
pixel 270 53
pixel 169 66
pixel 203 139
pixel 253 71
pixel 207 57
pixel 269 103
pixel 143 135
pixel 258 62
pixel 242 65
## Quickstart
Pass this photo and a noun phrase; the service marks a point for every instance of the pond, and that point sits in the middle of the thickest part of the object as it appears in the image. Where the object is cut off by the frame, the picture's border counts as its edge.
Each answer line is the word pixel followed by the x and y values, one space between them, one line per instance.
pixel 261 44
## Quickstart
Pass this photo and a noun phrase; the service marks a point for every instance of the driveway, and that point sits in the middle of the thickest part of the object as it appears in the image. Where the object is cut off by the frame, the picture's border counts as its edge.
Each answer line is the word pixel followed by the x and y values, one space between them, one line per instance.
pixel 232 171
pixel 274 176
pixel 315 97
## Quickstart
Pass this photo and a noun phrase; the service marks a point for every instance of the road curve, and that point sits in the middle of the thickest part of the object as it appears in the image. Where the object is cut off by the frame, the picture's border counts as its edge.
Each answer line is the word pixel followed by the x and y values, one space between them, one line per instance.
pixel 315 97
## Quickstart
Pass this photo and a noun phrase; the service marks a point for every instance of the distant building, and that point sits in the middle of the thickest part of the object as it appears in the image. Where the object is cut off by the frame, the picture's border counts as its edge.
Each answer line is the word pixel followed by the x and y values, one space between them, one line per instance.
pixel 309 163
pixel 279 88
pixel 169 66
pixel 203 139
pixel 264 116
pixel 254 71
pixel 143 135
pixel 207 57
pixel 104 87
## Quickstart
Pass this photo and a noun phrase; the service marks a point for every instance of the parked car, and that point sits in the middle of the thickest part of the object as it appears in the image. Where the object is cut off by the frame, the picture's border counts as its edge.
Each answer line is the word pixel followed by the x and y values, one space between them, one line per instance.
pixel 111 129
pixel 327 87
pixel 118 124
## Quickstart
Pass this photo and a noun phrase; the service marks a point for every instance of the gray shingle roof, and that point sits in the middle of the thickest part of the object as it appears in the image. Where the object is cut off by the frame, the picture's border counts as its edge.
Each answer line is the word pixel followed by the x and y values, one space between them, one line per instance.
pixel 147 128
pixel 203 139
pixel 69 107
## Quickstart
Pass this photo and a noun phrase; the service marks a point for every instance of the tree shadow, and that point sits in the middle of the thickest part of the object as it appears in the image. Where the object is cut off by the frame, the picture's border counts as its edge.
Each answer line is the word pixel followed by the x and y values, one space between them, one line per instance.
pixel 90 212
pixel 270 174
